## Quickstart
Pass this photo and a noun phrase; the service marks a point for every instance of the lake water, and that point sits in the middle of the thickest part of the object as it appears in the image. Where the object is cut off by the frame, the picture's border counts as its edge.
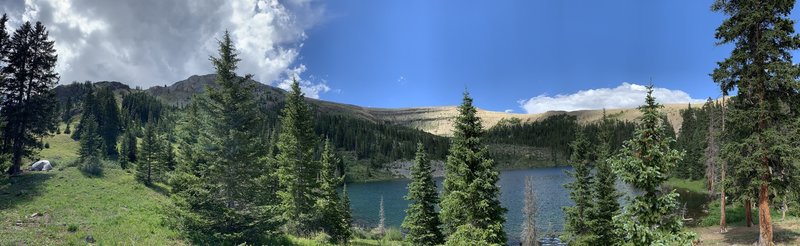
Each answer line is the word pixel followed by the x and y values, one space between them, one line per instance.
pixel 548 185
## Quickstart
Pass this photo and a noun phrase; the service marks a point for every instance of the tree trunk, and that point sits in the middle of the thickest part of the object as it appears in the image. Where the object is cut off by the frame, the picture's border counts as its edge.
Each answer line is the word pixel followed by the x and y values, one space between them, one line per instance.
pixel 748 214
pixel 723 225
pixel 783 209
pixel 764 218
pixel 17 149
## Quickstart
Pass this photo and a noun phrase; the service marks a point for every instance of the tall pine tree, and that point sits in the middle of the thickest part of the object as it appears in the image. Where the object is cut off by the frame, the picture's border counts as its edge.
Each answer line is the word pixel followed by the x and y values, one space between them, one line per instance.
pixel 221 198
pixel 606 196
pixel 761 70
pixel 330 213
pixel 645 162
pixel 26 97
pixel 149 163
pixel 422 220
pixel 577 225
pixel 297 171
pixel 91 146
pixel 471 194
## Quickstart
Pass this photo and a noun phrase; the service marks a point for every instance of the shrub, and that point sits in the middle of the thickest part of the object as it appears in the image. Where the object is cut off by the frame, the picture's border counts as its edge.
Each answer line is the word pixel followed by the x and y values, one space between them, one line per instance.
pixel 468 235
pixel 93 166
pixel 361 233
pixel 46 145
pixel 393 234
pixel 322 238
pixel 72 228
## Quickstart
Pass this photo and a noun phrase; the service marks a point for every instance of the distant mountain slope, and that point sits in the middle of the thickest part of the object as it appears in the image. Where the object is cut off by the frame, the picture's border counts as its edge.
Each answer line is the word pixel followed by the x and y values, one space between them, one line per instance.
pixel 439 120
pixel 435 120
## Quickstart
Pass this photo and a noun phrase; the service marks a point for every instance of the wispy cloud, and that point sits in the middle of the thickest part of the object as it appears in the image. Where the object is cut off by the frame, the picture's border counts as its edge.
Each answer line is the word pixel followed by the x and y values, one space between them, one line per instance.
pixel 626 95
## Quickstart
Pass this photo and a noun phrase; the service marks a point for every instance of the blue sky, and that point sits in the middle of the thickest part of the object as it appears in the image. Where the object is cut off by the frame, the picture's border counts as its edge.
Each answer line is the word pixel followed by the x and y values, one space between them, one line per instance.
pixel 424 53
pixel 525 55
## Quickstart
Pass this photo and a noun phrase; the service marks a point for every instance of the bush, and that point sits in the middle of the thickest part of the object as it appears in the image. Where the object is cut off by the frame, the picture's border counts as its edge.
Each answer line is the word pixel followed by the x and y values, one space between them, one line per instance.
pixel 322 238
pixel 361 233
pixel 72 228
pixel 734 214
pixel 468 235
pixel 92 165
pixel 393 234
pixel 46 145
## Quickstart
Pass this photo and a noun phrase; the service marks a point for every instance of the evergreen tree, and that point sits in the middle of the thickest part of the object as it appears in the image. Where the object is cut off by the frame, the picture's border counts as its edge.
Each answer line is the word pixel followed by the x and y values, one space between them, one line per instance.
pixel 149 162
pixel 347 218
pixel 422 220
pixel 168 155
pixel 26 98
pixel 128 149
pixel 577 225
pixel 470 187
pixel 327 204
pixel 90 147
pixel 606 196
pixel 220 191
pixel 108 121
pixel 297 171
pixel 645 162
pixel 528 236
pixel 762 72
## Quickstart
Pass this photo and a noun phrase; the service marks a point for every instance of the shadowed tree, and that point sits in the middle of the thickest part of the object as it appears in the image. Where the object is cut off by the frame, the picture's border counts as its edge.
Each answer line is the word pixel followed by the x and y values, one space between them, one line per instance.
pixel 606 196
pixel 576 226
pixel 26 97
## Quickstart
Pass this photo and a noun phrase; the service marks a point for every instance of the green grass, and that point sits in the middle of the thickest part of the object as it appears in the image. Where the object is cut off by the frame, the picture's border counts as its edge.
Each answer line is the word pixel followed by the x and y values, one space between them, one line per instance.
pixel 62 149
pixel 113 208
pixel 698 186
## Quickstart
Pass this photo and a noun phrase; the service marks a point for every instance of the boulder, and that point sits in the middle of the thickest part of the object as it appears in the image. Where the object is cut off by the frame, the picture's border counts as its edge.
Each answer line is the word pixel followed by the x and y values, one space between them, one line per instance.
pixel 42 165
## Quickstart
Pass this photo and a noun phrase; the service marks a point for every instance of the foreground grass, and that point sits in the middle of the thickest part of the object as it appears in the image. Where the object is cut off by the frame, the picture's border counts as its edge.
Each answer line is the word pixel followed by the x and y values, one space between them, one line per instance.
pixel 64 207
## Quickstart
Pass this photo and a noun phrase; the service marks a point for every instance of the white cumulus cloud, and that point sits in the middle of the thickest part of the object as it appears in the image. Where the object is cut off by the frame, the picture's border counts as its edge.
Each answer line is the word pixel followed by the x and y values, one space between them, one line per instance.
pixel 626 95
pixel 155 42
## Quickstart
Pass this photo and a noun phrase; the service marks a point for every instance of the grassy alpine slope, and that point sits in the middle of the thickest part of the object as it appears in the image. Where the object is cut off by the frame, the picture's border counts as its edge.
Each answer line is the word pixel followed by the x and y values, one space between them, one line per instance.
pixel 64 206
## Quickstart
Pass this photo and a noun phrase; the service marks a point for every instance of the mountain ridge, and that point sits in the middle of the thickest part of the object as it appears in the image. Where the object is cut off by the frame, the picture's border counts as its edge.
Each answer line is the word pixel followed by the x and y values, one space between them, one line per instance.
pixel 437 120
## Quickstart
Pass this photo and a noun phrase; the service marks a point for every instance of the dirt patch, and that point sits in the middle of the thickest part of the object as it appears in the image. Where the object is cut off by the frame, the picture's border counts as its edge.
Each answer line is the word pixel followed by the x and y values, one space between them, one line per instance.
pixel 786 233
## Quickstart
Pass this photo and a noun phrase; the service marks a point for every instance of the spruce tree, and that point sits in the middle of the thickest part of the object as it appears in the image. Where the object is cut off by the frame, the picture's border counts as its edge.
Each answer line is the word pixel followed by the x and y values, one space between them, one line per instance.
pixel 109 123
pixel 26 95
pixel 328 207
pixel 422 220
pixel 606 196
pixel 577 226
pixel 471 194
pixel 347 218
pixel 91 144
pixel 762 72
pixel 645 162
pixel 219 184
pixel 149 163
pixel 297 171
pixel 128 149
